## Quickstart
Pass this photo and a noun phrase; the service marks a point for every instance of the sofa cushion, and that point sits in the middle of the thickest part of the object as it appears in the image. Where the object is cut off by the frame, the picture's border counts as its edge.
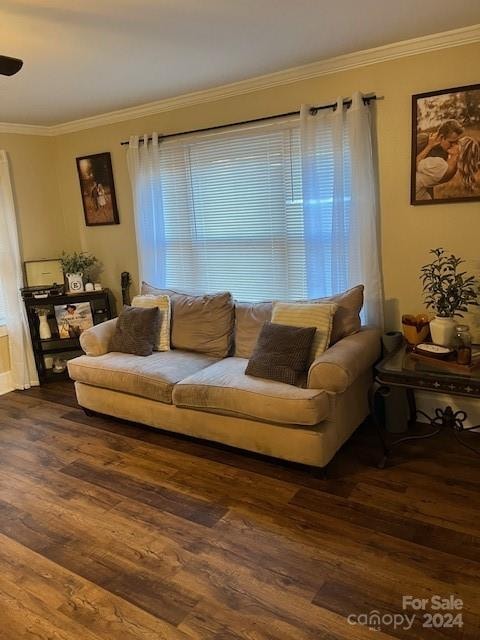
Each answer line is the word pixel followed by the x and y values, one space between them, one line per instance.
pixel 223 387
pixel 249 320
pixel 251 316
pixel 149 377
pixel 281 353
pixel 162 342
pixel 136 331
pixel 347 317
pixel 199 323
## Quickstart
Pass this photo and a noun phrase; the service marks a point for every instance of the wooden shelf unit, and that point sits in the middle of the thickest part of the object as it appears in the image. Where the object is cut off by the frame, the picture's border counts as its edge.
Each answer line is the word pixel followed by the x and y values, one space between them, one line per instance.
pixel 101 305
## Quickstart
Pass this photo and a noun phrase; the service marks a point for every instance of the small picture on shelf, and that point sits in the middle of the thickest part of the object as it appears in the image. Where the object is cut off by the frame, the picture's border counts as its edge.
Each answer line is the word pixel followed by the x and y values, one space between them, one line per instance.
pixel 73 319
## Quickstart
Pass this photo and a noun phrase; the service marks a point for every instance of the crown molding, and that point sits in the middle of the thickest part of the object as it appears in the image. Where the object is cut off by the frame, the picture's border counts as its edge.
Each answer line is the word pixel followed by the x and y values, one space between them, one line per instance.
pixel 27 129
pixel 414 46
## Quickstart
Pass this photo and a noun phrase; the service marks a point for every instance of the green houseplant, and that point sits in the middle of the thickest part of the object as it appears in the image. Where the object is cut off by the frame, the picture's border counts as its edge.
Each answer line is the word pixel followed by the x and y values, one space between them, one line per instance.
pixel 448 291
pixel 76 265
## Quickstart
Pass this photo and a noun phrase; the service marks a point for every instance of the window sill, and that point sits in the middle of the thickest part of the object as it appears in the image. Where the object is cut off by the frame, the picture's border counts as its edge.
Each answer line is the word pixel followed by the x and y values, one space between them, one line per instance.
pixel 3 331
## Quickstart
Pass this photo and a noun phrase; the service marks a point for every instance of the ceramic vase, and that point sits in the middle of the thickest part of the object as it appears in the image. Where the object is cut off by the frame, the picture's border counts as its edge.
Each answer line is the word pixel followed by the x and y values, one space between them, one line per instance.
pixel 75 282
pixel 44 328
pixel 443 330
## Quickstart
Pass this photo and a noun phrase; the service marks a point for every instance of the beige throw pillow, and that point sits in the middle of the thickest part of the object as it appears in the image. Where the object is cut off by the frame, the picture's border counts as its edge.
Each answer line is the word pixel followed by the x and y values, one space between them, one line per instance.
pixel 162 342
pixel 318 315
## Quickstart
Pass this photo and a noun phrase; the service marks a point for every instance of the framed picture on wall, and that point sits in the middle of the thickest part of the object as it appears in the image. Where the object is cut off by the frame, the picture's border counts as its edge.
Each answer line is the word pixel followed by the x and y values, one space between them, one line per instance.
pixel 97 189
pixel 446 146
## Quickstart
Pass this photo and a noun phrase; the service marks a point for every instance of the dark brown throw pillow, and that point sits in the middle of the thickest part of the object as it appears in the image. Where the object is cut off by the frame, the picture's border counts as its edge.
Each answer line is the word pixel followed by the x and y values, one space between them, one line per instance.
pixel 281 353
pixel 136 331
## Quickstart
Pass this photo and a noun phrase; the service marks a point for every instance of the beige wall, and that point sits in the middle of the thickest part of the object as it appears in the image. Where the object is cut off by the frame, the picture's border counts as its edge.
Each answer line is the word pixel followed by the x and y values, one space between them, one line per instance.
pixel 33 169
pixel 407 232
pixel 43 234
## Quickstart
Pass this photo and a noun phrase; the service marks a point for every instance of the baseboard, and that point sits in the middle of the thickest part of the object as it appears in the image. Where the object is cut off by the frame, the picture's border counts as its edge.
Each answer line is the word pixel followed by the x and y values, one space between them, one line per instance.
pixel 5 383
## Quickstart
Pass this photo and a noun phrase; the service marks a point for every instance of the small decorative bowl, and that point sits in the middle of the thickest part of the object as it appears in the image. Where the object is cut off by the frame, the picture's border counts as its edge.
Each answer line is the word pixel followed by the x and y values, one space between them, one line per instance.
pixel 433 350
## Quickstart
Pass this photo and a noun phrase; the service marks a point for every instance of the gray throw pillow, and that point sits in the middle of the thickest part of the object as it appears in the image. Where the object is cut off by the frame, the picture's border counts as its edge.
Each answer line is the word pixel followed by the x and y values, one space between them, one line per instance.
pixel 136 331
pixel 282 353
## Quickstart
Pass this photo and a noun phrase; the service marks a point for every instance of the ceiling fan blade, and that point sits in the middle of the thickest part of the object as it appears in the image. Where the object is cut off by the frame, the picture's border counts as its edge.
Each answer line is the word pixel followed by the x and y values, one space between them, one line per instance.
pixel 9 66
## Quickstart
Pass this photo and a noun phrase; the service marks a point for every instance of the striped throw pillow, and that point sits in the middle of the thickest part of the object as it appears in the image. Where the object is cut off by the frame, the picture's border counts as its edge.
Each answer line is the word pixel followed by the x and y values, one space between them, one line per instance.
pixel 162 342
pixel 297 314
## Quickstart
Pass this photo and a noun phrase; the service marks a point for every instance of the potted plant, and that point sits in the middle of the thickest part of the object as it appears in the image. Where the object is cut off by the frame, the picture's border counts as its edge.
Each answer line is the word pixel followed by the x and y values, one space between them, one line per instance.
pixel 448 291
pixel 75 266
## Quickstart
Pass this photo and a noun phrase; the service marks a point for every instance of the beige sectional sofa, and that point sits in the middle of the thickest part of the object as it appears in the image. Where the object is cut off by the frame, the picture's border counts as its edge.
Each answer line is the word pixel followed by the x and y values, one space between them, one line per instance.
pixel 210 397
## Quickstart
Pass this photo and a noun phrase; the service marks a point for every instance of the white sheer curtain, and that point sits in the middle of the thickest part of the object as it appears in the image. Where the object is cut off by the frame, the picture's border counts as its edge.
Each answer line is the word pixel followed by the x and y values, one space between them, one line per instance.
pixel 339 203
pixel 145 175
pixel 23 371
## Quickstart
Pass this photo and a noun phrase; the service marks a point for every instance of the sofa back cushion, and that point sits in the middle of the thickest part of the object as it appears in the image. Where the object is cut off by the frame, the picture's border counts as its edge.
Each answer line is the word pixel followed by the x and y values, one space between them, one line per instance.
pixel 347 317
pixel 199 323
pixel 251 316
pixel 249 320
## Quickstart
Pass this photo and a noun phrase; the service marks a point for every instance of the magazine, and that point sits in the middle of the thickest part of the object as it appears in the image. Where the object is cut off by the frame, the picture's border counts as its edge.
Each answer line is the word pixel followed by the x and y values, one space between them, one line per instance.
pixel 73 319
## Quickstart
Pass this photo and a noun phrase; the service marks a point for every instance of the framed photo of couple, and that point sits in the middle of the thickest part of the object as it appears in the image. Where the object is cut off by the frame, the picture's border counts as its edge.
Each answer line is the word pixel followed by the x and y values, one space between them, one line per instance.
pixel 446 146
pixel 98 190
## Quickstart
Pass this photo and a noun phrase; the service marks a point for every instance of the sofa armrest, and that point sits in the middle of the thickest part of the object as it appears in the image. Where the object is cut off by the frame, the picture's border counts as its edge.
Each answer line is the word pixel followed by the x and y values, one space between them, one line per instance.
pixel 342 363
pixel 96 340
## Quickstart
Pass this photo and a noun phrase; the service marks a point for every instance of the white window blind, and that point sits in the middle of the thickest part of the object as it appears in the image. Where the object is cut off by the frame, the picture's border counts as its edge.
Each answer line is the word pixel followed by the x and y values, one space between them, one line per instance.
pixel 232 212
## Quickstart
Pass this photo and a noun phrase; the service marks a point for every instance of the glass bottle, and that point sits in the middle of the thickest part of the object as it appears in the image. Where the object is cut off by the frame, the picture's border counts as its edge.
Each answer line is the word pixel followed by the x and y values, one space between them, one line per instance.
pixel 463 344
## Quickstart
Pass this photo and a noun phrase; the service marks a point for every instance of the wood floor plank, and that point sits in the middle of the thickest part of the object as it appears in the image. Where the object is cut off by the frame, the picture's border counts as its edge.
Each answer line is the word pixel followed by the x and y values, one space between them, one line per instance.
pixel 113 531
pixel 114 618
pixel 32 619
pixel 194 509
pixel 79 600
pixel 427 508
pixel 370 551
pixel 347 597
pixel 384 520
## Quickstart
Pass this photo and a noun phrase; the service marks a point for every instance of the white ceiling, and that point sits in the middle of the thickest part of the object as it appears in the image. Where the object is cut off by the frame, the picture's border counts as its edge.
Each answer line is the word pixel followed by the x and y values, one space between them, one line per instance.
pixel 95 56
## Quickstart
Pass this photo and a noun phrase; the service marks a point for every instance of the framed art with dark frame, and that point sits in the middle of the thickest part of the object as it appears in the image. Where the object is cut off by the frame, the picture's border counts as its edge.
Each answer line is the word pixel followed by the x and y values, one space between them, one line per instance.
pixel 98 190
pixel 446 146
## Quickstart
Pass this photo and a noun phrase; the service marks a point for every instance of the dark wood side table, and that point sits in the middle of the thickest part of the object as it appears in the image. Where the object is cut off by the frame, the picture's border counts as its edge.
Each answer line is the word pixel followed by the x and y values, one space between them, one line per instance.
pixel 401 369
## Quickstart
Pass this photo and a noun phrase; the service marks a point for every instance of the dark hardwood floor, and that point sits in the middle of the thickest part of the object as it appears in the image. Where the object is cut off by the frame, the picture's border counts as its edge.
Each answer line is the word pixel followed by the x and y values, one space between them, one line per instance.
pixel 112 531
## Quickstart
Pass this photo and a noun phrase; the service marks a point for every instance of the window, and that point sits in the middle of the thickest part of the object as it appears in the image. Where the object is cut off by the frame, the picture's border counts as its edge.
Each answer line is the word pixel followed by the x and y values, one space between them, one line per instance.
pixel 273 211
pixel 232 213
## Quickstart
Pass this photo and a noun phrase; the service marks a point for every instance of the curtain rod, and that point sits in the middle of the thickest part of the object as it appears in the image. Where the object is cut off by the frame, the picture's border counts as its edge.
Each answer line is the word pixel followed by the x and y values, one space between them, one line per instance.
pixel 313 110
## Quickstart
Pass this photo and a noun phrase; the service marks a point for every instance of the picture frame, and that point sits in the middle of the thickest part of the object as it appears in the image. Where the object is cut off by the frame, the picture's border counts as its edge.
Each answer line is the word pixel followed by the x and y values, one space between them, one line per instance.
pixel 43 273
pixel 73 319
pixel 445 152
pixel 97 189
